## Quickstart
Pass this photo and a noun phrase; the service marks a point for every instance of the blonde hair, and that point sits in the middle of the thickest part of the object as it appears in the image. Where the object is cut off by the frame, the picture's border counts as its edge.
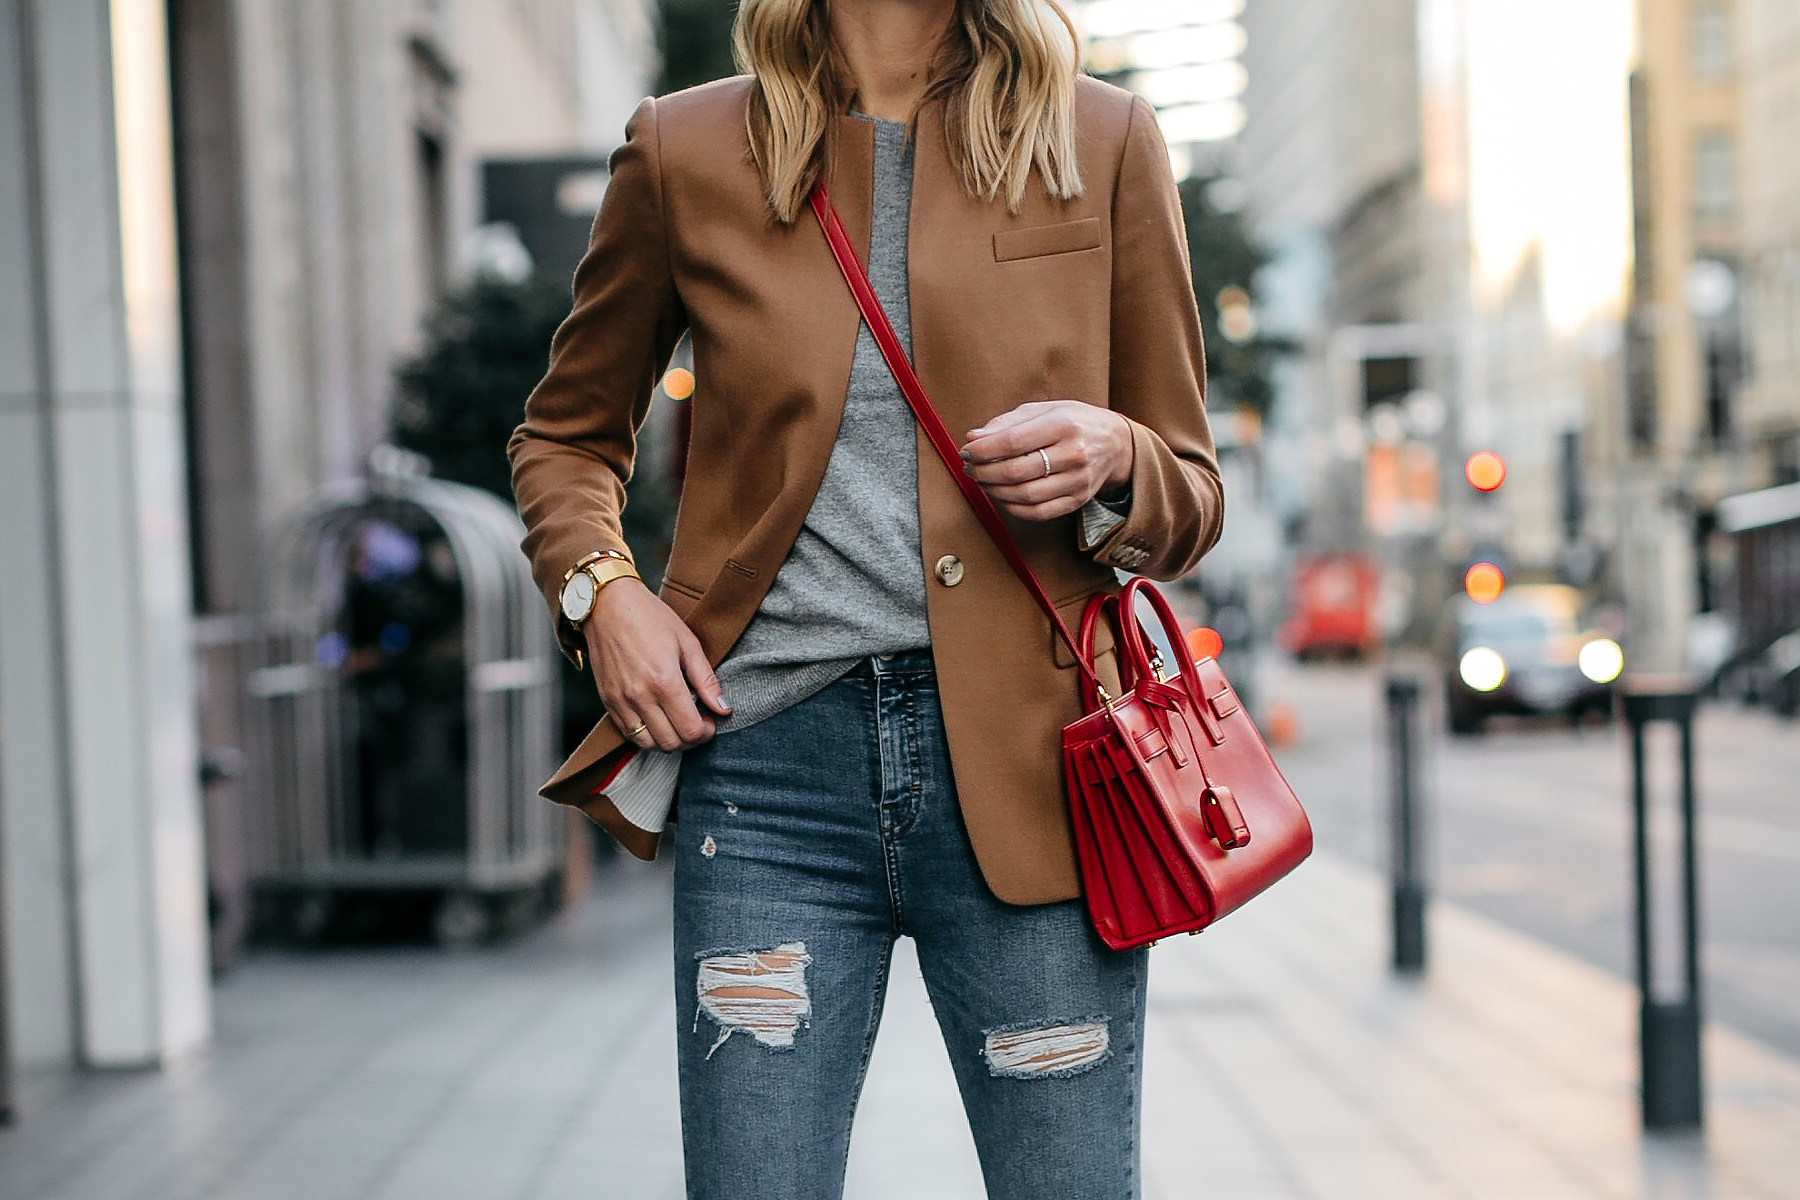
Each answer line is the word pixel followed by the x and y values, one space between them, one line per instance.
pixel 1005 73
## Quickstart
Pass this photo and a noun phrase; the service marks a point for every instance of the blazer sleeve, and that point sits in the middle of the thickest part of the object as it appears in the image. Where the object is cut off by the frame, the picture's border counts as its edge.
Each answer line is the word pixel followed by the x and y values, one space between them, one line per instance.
pixel 1158 373
pixel 572 455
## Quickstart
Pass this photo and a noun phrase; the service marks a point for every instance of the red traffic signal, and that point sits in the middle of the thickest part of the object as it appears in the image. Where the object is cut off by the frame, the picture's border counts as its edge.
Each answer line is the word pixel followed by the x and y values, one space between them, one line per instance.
pixel 1485 471
pixel 1484 582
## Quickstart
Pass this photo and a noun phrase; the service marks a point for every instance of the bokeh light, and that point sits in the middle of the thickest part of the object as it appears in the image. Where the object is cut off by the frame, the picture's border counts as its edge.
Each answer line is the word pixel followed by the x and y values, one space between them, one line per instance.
pixel 678 383
pixel 1484 582
pixel 1482 669
pixel 1204 643
pixel 1485 471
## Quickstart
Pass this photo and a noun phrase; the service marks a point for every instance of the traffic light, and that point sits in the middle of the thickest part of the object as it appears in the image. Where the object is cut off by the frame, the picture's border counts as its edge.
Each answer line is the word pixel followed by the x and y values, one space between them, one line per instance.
pixel 1485 471
pixel 1483 581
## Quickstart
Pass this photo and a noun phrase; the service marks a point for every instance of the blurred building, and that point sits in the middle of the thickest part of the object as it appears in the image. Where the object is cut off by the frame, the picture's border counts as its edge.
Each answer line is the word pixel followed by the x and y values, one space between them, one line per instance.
pixel 1530 194
pixel 226 223
pixel 1713 400
pixel 1473 226
pixel 1680 449
pixel 1767 419
pixel 1185 59
pixel 1330 159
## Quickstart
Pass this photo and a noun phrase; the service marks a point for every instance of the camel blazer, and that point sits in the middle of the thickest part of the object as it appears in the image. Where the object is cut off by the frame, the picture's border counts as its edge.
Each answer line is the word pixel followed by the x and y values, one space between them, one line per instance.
pixel 1088 299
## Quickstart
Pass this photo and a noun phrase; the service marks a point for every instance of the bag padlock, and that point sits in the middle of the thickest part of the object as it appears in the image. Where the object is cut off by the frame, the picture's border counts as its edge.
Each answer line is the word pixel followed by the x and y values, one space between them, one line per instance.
pixel 1224 819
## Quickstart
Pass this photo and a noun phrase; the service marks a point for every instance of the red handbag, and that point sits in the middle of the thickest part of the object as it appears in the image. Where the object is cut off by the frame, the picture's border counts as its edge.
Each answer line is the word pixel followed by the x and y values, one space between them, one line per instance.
pixel 1180 813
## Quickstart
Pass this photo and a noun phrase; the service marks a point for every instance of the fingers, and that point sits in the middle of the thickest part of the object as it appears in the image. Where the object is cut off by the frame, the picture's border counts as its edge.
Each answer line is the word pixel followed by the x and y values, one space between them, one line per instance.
pixel 1058 506
pixel 670 720
pixel 1019 436
pixel 1067 460
pixel 700 676
pixel 1039 491
pixel 648 671
pixel 1086 448
pixel 1012 417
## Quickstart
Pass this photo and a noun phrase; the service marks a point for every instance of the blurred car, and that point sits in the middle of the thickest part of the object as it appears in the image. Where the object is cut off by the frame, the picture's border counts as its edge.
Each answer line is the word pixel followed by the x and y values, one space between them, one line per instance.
pixel 1532 651
pixel 1331 607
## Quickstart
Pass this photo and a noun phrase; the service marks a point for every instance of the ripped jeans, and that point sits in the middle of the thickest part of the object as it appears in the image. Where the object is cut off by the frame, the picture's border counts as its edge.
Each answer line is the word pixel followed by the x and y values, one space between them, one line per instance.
pixel 806 844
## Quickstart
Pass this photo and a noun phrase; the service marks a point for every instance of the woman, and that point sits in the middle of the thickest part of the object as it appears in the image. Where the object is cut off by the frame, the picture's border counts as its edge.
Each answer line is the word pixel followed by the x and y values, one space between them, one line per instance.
pixel 867 700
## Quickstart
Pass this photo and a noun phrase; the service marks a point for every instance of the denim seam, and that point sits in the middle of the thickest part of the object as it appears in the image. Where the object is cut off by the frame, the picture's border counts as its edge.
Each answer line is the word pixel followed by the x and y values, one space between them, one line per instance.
pixel 1135 1067
pixel 890 854
pixel 913 790
pixel 869 1030
pixel 890 861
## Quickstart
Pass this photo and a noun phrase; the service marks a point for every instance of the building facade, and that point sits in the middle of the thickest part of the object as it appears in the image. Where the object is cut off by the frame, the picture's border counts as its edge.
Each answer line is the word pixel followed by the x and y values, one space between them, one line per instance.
pixel 1768 413
pixel 231 219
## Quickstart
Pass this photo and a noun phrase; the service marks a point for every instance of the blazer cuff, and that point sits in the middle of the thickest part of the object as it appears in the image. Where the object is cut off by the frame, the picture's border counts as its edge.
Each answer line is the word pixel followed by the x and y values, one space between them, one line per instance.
pixel 1099 518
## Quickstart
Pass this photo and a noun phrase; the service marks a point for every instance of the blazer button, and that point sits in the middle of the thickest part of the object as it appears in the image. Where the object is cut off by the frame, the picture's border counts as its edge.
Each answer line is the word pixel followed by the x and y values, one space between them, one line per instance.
pixel 949 570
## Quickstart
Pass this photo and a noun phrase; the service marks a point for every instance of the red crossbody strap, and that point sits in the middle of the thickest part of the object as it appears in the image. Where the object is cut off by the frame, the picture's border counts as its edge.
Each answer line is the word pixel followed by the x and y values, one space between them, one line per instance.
pixel 941 441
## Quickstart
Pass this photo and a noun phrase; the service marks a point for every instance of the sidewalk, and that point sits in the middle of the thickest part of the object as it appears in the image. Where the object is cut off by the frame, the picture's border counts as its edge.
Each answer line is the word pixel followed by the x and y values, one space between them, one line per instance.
pixel 1283 1062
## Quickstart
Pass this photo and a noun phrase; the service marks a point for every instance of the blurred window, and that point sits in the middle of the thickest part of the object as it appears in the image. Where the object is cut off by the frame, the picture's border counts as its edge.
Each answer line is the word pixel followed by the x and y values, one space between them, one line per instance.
pixel 1715 178
pixel 1712 39
pixel 1509 627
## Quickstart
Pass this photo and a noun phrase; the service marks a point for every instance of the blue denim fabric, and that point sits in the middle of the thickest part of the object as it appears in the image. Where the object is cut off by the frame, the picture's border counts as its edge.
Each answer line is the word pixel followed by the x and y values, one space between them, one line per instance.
pixel 806 844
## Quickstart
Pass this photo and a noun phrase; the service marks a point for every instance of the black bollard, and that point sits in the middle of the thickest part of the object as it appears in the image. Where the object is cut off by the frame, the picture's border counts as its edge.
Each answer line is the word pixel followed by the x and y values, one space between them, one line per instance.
pixel 1408 874
pixel 1668 1029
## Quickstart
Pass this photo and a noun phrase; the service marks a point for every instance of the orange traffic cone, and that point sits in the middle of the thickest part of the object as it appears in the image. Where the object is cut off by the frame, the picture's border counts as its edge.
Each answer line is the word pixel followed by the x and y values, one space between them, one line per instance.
pixel 1280 724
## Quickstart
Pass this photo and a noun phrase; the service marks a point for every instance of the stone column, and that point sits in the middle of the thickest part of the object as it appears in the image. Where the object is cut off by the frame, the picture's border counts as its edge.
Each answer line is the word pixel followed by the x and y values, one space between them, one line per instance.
pixel 104 905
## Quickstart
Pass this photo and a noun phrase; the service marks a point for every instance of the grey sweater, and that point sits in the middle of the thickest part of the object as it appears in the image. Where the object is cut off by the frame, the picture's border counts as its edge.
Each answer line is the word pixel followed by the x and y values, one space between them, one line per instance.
pixel 853 585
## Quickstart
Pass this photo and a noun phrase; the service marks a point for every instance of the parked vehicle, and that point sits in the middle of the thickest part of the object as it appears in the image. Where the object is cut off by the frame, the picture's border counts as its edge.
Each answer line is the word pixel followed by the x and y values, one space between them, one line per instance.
pixel 1332 607
pixel 1532 651
pixel 1764 593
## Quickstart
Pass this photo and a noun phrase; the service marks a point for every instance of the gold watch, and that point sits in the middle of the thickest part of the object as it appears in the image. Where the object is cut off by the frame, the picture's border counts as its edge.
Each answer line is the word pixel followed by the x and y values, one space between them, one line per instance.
pixel 581 586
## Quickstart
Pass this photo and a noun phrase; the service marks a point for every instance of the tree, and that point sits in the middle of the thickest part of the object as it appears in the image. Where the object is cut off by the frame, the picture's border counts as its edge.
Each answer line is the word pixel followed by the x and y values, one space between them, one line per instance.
pixel 695 39
pixel 458 401
pixel 1226 260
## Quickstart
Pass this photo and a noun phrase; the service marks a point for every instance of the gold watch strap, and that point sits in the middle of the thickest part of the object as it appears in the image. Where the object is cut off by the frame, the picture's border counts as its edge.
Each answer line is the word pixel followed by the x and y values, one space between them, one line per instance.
pixel 596 556
pixel 603 567
pixel 606 570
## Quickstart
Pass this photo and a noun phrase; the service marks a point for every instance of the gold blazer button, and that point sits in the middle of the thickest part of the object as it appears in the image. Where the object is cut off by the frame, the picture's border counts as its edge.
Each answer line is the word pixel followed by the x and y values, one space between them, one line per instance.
pixel 949 570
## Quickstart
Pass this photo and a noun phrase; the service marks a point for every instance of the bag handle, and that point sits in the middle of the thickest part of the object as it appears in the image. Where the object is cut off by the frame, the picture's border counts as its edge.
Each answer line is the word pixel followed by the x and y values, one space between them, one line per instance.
pixel 939 436
pixel 1137 652
pixel 1106 608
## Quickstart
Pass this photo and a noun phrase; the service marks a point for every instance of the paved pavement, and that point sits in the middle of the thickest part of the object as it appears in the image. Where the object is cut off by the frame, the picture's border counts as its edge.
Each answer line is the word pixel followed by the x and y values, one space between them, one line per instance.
pixel 1530 824
pixel 1284 1061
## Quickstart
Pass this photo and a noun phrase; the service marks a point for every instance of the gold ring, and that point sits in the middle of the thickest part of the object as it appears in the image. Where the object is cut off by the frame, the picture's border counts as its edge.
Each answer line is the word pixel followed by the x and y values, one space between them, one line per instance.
pixel 637 729
pixel 1045 455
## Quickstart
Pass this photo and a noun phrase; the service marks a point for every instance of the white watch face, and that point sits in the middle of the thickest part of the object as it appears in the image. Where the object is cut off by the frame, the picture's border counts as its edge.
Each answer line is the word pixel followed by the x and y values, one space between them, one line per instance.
pixel 578 596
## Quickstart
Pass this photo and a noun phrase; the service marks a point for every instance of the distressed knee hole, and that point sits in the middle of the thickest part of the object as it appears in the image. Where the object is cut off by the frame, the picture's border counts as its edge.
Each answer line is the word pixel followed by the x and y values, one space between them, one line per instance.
pixel 758 992
pixel 1046 1051
pixel 708 847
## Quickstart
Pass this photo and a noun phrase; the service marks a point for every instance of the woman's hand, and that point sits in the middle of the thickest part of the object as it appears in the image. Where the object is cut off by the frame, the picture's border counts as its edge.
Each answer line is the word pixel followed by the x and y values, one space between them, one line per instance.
pixel 649 668
pixel 1087 450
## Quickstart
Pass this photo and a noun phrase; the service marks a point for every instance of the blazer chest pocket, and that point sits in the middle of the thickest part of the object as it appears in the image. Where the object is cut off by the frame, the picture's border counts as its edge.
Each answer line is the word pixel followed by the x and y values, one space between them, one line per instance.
pixel 1039 241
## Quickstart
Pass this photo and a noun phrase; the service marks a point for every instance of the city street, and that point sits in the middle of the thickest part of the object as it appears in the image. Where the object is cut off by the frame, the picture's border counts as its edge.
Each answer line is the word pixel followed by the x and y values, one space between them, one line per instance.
pixel 1283 1059
pixel 1534 830
pixel 360 353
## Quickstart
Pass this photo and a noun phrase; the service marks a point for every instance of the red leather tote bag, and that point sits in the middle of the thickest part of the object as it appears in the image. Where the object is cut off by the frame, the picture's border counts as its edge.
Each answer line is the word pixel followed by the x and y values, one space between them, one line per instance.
pixel 1180 812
